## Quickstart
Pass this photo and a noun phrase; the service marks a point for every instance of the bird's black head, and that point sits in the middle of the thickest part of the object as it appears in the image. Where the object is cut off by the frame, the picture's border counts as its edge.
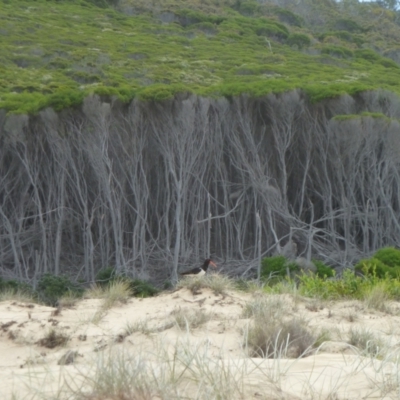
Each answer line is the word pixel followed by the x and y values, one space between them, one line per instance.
pixel 208 262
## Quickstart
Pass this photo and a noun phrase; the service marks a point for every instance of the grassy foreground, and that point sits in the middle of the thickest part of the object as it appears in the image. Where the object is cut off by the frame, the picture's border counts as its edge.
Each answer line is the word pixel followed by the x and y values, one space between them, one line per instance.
pixel 54 53
pixel 179 344
pixel 313 335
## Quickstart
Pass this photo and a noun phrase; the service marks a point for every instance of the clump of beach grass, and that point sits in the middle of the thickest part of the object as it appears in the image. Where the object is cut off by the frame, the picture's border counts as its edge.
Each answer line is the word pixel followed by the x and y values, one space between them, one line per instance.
pixel 17 295
pixel 377 298
pixel 53 338
pixel 366 341
pixel 118 291
pixel 190 319
pixel 218 283
pixel 272 332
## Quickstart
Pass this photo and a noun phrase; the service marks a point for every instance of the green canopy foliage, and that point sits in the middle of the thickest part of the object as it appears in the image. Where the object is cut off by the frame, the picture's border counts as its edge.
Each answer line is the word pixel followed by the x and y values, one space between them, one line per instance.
pixel 56 52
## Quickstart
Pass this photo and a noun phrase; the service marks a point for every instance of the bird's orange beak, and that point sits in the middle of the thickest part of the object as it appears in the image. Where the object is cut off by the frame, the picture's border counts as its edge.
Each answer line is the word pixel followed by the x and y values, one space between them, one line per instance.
pixel 213 264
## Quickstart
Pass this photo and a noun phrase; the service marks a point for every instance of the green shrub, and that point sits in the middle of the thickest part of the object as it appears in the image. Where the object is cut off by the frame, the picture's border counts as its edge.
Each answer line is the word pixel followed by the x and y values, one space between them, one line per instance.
pixel 389 256
pixel 368 55
pixel 158 92
pixel 276 267
pixel 337 51
pixel 24 103
pixel 348 286
pixel 50 288
pixel 142 288
pixel 323 271
pixel 349 25
pixel 348 37
pixel 103 3
pixel 139 288
pixel 248 8
pixel 377 267
pixel 15 286
pixel 288 17
pixel 206 27
pixel 65 98
pixel 298 39
pixel 105 276
pixel 372 267
pixel 388 63
pixel 270 28
pixel 189 17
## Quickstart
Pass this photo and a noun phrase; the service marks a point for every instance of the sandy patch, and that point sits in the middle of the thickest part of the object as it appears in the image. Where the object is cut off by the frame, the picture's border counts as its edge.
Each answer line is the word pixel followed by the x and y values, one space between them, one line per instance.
pixel 151 335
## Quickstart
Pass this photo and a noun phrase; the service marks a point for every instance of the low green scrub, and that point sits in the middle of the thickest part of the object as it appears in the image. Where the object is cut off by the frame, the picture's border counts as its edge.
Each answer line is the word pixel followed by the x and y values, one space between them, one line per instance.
pixel 375 267
pixel 267 28
pixel 320 92
pixel 349 286
pixel 344 36
pixel 368 276
pixel 55 53
pixel 368 55
pixel 349 25
pixel 105 276
pixel 142 288
pixel 289 17
pixel 139 288
pixel 337 51
pixel 248 8
pixel 274 268
pixel 50 288
pixel 15 286
pixel 384 263
pixel 298 39
pixel 103 3
pixel 389 256
pixel 323 270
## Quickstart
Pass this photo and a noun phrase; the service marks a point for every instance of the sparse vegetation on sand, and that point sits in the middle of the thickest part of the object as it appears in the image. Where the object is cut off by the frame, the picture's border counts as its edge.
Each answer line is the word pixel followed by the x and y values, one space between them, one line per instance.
pixel 274 332
pixel 53 338
pixel 117 291
pixel 278 349
pixel 218 283
pixel 190 319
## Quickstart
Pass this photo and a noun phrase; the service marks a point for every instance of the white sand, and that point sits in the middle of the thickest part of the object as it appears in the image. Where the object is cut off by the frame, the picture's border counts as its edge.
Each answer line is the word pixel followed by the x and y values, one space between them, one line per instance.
pixel 336 369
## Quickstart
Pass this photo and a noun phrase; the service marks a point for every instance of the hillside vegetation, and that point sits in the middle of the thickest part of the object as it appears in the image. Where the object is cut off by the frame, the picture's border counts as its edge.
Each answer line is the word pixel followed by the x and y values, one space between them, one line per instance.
pixel 184 130
pixel 55 53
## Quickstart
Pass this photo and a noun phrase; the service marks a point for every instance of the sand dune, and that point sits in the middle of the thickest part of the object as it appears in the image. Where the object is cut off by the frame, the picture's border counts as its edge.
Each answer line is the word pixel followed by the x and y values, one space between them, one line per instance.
pixel 155 343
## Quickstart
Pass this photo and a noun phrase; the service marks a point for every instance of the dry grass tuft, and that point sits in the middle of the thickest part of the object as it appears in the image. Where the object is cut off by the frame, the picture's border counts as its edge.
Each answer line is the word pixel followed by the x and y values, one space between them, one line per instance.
pixel 278 338
pixel 190 319
pixel 21 296
pixel 377 299
pixel 365 341
pixel 116 292
pixel 324 335
pixel 219 284
pixel 314 305
pixel 53 339
pixel 142 326
pixel 351 315
pixel 271 334
pixel 191 370
pixel 67 301
pixel 265 306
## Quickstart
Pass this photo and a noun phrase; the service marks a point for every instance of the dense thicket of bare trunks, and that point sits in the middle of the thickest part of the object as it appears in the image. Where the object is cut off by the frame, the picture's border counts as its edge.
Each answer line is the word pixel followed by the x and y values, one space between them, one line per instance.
pixel 149 187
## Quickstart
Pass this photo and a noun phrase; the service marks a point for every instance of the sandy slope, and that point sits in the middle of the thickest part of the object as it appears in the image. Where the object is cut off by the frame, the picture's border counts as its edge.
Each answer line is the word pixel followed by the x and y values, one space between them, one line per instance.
pixel 336 370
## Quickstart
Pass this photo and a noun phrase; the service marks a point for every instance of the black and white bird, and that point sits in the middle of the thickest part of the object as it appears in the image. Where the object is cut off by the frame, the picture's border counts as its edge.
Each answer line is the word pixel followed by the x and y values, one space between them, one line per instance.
pixel 200 271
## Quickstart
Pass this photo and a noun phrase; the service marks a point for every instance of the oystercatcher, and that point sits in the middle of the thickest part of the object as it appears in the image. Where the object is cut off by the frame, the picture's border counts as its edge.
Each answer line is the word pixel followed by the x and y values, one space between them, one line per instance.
pixel 200 271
